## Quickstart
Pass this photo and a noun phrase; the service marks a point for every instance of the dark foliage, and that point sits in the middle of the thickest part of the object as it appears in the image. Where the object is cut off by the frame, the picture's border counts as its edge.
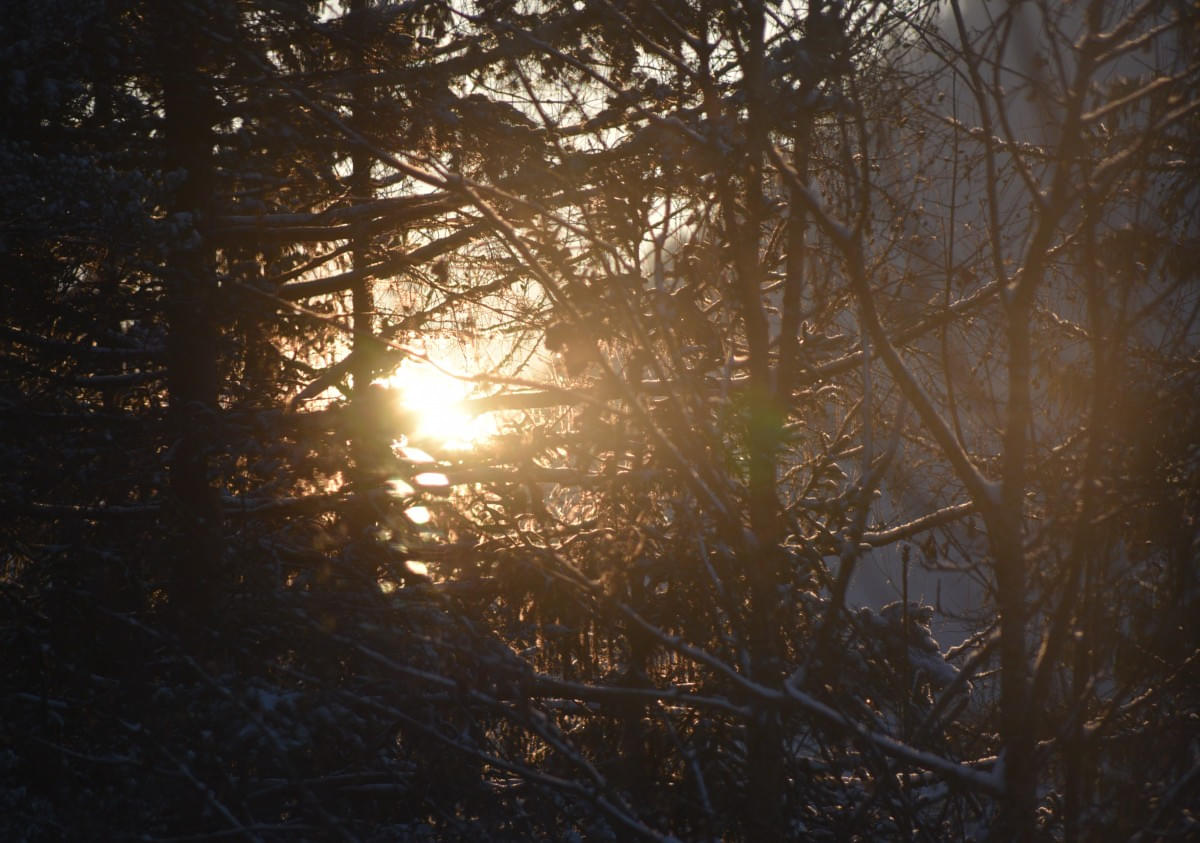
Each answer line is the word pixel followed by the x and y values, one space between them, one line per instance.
pixel 757 298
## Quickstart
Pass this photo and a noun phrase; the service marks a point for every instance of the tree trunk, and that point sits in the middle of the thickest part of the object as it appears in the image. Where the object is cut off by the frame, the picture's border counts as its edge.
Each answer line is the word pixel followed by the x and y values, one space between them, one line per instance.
pixel 364 452
pixel 191 285
pixel 1016 721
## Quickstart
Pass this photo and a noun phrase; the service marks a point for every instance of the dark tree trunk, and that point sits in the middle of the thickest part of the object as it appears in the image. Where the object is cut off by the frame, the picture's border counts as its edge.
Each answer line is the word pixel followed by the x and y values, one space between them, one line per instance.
pixel 191 286
pixel 365 449
pixel 765 743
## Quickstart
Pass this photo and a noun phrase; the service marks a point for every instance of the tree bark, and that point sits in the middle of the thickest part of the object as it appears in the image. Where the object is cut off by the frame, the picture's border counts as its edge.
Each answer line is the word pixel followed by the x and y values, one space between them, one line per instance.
pixel 191 286
pixel 365 451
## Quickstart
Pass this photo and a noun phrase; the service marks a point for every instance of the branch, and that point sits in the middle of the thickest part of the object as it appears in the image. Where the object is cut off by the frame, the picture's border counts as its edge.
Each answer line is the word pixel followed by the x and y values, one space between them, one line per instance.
pixel 987 782
pixel 381 269
pixel 937 518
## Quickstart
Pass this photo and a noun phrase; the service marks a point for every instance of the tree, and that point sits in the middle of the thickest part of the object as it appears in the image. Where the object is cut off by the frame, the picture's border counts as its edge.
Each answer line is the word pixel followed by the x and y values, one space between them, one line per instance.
pixel 778 291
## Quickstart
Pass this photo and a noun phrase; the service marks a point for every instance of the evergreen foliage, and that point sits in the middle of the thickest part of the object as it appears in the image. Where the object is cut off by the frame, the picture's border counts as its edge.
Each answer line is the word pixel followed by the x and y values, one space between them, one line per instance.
pixel 755 298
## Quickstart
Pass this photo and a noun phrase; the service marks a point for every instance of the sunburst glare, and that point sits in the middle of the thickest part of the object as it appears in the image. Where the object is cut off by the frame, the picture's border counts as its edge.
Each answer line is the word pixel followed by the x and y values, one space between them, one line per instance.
pixel 436 400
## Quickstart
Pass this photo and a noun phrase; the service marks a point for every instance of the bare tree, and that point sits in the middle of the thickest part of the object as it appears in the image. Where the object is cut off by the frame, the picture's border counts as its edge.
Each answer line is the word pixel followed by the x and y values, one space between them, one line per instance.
pixel 778 294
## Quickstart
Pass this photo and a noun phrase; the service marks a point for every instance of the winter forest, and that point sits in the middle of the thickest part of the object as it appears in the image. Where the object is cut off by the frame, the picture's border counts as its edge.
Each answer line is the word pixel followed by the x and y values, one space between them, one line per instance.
pixel 600 420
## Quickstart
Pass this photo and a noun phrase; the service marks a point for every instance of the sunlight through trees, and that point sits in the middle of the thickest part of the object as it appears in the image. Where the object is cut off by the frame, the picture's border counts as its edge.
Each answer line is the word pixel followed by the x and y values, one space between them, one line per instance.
pixel 600 420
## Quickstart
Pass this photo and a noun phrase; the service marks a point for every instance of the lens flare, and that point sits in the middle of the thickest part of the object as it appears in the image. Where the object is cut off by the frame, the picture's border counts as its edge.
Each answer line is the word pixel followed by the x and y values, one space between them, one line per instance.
pixel 431 478
pixel 436 400
pixel 419 515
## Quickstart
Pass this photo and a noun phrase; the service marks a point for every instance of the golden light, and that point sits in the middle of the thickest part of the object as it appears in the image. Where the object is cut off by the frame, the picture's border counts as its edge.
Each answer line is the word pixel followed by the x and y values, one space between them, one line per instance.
pixel 398 488
pixel 411 454
pixel 419 515
pixel 431 478
pixel 436 399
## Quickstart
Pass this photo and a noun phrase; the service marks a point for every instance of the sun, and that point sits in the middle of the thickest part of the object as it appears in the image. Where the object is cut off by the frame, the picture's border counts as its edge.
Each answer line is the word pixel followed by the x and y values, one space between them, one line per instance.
pixel 436 400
